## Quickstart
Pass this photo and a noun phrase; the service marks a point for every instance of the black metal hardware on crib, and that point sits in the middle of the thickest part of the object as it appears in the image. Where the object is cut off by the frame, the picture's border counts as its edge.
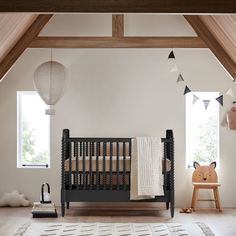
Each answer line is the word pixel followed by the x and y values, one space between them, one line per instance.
pixel 98 170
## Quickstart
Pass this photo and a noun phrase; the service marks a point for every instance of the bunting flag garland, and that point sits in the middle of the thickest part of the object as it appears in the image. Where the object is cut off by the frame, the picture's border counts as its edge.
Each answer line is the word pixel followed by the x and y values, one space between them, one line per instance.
pixel 180 78
pixel 171 55
pixel 206 103
pixel 186 90
pixel 174 68
pixel 195 98
pixel 220 100
pixel 230 92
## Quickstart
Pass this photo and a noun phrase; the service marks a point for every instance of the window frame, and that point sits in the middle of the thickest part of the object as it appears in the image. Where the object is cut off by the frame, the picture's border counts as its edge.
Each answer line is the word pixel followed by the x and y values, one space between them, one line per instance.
pixel 198 94
pixel 20 131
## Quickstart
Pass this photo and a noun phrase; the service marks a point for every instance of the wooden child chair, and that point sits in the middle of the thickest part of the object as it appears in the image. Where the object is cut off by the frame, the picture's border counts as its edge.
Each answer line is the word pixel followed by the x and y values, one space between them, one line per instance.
pixel 205 177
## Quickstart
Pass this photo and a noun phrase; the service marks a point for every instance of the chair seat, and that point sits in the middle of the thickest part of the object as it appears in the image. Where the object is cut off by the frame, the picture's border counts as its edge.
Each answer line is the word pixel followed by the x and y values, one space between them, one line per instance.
pixel 206 185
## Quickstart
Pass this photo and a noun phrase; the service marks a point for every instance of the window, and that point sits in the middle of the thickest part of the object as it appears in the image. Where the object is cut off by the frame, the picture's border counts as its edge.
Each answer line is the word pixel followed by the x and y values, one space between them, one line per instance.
pixel 202 129
pixel 33 131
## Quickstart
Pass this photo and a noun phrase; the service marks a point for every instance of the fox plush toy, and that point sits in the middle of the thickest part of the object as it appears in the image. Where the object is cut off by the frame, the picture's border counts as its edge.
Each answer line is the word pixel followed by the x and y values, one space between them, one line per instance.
pixel 204 174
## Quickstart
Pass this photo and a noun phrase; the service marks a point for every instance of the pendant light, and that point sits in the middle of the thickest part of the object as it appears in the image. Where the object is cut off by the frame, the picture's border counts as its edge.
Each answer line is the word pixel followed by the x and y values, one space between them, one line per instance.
pixel 49 81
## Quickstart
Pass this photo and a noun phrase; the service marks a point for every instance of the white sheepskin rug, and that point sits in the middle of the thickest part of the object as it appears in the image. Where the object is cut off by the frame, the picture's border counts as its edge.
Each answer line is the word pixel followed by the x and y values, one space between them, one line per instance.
pixel 13 199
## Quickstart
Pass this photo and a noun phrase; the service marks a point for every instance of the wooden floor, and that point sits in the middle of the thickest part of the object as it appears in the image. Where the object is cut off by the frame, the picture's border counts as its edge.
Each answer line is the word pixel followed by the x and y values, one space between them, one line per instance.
pixel 223 224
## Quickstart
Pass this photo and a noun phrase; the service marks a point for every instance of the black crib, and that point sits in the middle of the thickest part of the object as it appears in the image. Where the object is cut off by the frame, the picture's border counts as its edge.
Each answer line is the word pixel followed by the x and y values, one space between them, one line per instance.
pixel 98 170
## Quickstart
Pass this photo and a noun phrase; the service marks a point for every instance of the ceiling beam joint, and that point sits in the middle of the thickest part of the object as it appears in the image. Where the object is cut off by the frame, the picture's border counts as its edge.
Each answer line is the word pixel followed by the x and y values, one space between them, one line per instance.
pixel 117 26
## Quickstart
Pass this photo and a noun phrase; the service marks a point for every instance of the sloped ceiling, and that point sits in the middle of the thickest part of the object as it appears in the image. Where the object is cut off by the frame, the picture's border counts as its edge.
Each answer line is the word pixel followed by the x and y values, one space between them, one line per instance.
pixel 218 32
pixel 223 27
pixel 12 27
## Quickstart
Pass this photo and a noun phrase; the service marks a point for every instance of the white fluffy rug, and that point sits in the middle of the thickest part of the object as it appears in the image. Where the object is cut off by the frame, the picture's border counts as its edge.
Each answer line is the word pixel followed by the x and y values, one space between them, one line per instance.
pixel 114 229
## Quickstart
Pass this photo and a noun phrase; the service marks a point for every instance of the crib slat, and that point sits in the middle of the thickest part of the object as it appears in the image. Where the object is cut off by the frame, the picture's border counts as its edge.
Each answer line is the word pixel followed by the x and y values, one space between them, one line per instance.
pixel 84 173
pixel 124 165
pixel 81 154
pixel 104 164
pixel 93 149
pixel 80 148
pixel 130 151
pixel 164 167
pixel 76 154
pixel 70 168
pixel 117 166
pixel 130 141
pixel 111 156
pixel 86 148
pixel 97 155
pixel 90 166
pixel 80 179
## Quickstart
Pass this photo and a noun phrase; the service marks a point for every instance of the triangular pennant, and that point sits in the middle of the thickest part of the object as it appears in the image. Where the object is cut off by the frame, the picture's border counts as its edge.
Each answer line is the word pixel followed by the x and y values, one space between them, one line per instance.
pixel 195 98
pixel 206 103
pixel 171 55
pixel 230 93
pixel 174 68
pixel 180 78
pixel 220 100
pixel 186 90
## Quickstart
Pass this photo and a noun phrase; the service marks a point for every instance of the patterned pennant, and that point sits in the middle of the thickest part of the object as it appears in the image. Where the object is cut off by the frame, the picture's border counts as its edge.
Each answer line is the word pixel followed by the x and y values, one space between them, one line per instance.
pixel 195 98
pixel 186 90
pixel 206 103
pixel 220 100
pixel 180 78
pixel 174 68
pixel 171 55
pixel 230 93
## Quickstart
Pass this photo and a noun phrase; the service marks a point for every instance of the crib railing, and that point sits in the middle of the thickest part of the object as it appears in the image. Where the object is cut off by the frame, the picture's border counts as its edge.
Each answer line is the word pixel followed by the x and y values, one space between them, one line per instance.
pixel 103 163
pixel 83 151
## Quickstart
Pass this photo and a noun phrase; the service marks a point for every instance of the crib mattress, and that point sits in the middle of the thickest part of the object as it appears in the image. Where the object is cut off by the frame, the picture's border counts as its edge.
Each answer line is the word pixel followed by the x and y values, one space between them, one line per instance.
pixel 121 162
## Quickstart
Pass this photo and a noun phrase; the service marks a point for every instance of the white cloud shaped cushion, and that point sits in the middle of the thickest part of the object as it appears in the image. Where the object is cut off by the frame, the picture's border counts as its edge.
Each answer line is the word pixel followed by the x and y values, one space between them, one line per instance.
pixel 13 199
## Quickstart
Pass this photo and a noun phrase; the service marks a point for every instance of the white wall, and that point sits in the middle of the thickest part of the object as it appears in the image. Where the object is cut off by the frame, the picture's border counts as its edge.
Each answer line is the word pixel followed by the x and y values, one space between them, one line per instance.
pixel 116 92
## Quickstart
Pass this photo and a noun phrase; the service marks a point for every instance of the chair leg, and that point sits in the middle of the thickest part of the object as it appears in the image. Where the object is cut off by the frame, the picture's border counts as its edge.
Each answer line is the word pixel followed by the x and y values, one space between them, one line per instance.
pixel 217 199
pixel 194 198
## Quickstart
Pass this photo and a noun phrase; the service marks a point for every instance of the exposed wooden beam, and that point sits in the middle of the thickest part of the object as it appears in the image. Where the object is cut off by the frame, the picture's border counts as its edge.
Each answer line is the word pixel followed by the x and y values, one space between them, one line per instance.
pixel 22 44
pixel 118 26
pixel 206 35
pixel 120 6
pixel 111 42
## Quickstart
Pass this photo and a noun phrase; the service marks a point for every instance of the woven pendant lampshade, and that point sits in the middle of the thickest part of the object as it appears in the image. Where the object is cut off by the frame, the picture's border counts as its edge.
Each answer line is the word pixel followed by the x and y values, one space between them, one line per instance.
pixel 49 81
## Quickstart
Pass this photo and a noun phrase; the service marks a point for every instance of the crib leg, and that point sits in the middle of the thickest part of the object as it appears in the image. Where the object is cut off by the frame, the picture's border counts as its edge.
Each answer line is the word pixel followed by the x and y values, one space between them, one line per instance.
pixel 68 205
pixel 172 210
pixel 63 209
pixel 167 205
pixel 172 204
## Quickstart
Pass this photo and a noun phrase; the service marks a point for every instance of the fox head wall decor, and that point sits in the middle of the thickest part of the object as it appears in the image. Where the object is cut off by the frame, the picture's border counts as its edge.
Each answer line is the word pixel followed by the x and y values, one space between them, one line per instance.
pixel 204 174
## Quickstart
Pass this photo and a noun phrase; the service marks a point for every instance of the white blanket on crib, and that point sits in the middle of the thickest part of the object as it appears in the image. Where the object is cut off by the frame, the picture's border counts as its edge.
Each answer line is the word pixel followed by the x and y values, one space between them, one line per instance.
pixel 146 168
